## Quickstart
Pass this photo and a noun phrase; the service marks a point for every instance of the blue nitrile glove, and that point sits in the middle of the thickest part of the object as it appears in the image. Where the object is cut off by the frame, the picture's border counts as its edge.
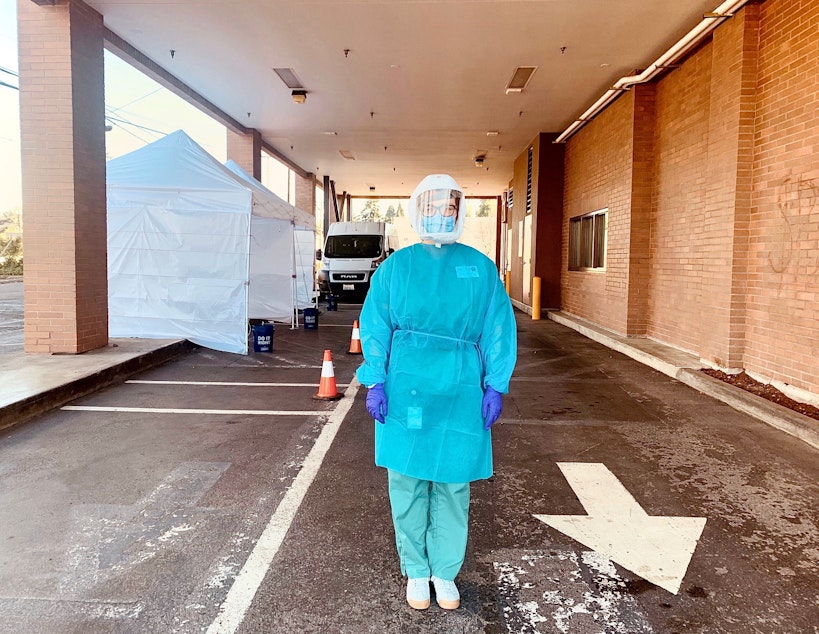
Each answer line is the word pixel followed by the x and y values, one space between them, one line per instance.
pixel 377 402
pixel 491 406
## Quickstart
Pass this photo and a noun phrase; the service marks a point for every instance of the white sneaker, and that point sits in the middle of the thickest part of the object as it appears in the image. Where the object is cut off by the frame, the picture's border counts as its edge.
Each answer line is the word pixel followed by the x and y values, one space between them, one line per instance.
pixel 446 592
pixel 418 593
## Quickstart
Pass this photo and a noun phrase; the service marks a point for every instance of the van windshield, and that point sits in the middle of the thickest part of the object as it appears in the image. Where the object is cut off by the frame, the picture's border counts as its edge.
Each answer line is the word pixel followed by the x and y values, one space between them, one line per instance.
pixel 354 246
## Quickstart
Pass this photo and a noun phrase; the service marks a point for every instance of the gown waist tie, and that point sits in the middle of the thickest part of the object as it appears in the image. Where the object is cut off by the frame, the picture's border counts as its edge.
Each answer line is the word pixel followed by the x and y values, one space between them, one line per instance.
pixel 430 334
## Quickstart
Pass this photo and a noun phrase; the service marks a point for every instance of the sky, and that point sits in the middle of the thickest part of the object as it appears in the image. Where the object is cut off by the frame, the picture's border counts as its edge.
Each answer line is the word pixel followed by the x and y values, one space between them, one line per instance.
pixel 138 110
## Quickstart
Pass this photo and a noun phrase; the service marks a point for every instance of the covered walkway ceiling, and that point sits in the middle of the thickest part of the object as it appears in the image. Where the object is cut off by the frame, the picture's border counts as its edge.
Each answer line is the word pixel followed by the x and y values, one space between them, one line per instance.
pixel 407 87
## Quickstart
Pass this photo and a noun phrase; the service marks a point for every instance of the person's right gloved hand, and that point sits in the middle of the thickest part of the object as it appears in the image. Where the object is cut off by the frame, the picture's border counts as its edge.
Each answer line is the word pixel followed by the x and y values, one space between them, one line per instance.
pixel 491 406
pixel 377 402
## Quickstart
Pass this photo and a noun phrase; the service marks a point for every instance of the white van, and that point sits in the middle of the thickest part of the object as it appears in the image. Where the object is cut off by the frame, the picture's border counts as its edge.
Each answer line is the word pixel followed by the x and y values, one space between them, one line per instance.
pixel 352 252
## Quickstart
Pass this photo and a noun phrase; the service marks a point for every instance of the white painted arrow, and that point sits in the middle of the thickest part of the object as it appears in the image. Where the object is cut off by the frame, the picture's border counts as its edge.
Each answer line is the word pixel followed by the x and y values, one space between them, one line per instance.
pixel 656 548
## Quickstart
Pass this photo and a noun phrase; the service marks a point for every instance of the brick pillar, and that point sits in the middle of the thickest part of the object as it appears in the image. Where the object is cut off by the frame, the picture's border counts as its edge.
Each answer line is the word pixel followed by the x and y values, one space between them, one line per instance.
pixel 548 219
pixel 642 189
pixel 306 193
pixel 62 119
pixel 729 188
pixel 246 150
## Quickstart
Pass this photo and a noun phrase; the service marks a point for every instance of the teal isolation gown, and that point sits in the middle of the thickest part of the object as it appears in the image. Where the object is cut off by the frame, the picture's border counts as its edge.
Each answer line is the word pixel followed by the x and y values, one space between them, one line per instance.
pixel 437 327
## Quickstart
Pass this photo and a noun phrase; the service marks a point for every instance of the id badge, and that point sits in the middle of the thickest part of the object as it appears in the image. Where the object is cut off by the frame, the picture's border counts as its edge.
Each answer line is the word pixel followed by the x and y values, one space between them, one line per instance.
pixel 414 417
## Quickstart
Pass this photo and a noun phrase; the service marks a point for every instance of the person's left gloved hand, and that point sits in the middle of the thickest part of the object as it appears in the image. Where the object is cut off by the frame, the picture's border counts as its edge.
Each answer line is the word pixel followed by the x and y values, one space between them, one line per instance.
pixel 377 402
pixel 491 406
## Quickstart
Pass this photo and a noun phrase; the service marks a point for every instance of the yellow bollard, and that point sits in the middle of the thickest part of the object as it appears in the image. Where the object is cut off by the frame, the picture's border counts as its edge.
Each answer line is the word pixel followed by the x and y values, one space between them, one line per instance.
pixel 508 282
pixel 535 298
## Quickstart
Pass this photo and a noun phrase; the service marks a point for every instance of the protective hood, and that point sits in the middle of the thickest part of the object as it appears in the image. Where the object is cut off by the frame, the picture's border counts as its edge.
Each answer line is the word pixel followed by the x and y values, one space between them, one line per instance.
pixel 431 212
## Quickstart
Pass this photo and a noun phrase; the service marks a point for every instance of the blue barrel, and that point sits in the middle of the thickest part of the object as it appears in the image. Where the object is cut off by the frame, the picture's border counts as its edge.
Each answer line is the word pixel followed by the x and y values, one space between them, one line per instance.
pixel 262 337
pixel 311 318
pixel 332 302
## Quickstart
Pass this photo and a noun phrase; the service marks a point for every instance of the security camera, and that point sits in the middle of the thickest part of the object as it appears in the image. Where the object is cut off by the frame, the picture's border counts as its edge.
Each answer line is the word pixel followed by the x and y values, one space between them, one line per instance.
pixel 479 161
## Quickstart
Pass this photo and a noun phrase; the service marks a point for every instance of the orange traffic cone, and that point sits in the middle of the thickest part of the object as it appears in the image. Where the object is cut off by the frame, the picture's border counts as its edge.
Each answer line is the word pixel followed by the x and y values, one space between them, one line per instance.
pixel 355 341
pixel 327 385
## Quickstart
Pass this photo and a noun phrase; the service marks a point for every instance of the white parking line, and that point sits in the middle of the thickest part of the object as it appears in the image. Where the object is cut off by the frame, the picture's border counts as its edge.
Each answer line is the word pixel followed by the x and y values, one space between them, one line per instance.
pixel 169 410
pixel 230 383
pixel 233 609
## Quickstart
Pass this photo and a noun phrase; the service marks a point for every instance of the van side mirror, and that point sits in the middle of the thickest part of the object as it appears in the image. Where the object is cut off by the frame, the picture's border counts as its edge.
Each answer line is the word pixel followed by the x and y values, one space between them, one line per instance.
pixel 390 251
pixel 318 254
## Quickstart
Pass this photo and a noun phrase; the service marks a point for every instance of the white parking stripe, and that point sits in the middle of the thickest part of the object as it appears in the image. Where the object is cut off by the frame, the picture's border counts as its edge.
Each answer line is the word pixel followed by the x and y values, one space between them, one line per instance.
pixel 169 410
pixel 232 611
pixel 229 383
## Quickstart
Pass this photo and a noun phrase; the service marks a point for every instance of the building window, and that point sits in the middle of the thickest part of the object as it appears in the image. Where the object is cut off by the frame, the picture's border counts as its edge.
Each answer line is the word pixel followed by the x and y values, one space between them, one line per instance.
pixel 587 241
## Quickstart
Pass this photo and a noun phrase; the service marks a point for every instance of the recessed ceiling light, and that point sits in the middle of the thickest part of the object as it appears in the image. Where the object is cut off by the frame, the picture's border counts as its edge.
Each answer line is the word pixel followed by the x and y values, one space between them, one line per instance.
pixel 492 133
pixel 520 78
pixel 331 133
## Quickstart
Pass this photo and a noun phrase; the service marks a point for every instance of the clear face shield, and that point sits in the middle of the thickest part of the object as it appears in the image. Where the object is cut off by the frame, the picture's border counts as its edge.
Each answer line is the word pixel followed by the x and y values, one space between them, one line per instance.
pixel 438 211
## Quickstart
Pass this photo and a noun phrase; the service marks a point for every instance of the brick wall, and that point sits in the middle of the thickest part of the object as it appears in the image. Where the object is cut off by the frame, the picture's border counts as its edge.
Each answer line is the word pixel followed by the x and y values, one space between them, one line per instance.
pixel 306 193
pixel 63 157
pixel 246 151
pixel 548 218
pixel 730 140
pixel 680 145
pixel 642 209
pixel 598 174
pixel 782 340
pixel 724 240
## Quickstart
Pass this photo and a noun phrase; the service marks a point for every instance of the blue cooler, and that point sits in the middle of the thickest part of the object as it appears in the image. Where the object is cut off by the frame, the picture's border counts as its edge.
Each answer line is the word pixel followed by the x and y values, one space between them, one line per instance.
pixel 311 318
pixel 263 337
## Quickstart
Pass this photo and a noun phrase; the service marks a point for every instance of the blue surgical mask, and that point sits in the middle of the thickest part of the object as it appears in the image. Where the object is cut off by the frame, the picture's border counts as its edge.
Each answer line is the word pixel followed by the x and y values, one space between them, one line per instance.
pixel 437 223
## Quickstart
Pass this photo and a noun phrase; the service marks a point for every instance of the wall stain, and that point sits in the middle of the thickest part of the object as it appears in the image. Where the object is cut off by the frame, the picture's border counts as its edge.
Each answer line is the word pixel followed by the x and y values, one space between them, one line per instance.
pixel 797 199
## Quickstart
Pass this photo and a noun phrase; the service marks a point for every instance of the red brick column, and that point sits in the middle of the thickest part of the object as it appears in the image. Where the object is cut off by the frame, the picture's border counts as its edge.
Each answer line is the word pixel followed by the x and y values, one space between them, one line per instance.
pixel 306 193
pixel 246 150
pixel 642 198
pixel 62 119
pixel 728 192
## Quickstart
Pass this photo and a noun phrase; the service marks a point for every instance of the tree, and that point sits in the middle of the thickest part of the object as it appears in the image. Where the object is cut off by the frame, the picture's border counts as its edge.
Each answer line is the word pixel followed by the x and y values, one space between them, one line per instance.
pixel 11 242
pixel 370 212
pixel 484 209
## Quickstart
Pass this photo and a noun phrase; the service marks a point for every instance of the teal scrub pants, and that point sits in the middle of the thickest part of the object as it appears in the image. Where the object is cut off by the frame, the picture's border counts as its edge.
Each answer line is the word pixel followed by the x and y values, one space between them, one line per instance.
pixel 430 520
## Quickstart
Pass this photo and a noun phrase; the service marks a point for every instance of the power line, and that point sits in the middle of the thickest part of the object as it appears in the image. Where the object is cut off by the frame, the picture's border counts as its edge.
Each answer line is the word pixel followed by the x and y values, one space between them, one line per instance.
pixel 131 133
pixel 133 101
pixel 108 117
pixel 2 83
pixel 10 72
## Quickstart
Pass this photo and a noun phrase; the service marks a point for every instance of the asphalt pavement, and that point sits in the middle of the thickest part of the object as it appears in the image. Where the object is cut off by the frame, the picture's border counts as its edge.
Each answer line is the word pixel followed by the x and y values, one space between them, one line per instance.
pixel 162 487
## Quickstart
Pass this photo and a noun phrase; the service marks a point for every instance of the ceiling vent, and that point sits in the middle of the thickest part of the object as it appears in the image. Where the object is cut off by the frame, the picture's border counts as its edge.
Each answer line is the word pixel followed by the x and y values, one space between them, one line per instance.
pixel 520 78
pixel 289 78
pixel 347 154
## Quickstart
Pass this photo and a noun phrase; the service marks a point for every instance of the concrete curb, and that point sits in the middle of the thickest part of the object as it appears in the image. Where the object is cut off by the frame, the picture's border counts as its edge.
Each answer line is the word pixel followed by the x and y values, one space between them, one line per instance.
pixel 25 409
pixel 793 423
pixel 802 427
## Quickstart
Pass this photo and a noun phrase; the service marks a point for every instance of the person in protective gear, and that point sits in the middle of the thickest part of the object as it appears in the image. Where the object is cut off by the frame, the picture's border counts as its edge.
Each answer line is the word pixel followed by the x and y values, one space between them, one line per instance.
pixel 439 342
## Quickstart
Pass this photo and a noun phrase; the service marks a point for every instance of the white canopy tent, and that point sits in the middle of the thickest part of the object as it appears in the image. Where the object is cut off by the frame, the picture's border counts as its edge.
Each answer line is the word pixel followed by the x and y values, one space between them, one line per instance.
pixel 303 245
pixel 194 250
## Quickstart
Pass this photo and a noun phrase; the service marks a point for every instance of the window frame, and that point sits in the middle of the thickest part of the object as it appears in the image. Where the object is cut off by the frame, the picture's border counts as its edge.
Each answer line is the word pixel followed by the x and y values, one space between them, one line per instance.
pixel 588 241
